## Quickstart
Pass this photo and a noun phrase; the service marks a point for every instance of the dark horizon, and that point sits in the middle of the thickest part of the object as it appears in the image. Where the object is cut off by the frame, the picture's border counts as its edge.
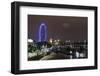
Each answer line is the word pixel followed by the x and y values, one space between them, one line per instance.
pixel 59 27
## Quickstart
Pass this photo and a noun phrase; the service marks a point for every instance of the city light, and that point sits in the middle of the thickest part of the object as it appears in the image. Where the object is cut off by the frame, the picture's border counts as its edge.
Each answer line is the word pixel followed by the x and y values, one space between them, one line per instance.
pixel 45 49
pixel 51 40
pixel 30 40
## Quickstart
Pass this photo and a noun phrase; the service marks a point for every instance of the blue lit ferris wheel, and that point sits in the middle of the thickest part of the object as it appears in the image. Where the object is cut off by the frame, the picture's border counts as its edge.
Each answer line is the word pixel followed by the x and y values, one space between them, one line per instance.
pixel 42 32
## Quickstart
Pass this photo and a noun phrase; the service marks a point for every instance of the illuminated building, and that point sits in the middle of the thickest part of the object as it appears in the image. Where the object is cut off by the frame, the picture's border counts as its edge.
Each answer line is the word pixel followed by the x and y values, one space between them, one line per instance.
pixel 51 40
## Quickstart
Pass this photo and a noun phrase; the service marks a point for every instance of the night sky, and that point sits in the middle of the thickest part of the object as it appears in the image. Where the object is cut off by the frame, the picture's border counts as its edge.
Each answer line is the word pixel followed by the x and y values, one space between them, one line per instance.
pixel 59 27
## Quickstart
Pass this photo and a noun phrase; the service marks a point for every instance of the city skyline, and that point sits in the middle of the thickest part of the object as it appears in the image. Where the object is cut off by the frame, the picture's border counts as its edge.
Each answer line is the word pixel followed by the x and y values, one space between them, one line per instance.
pixel 59 27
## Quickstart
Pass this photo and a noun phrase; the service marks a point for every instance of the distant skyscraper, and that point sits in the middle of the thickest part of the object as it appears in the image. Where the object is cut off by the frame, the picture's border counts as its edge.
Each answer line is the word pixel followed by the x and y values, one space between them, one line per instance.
pixel 42 32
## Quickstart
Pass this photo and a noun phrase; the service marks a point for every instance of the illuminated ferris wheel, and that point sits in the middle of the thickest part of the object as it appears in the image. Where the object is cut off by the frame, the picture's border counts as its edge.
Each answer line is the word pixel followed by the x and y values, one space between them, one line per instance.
pixel 42 32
